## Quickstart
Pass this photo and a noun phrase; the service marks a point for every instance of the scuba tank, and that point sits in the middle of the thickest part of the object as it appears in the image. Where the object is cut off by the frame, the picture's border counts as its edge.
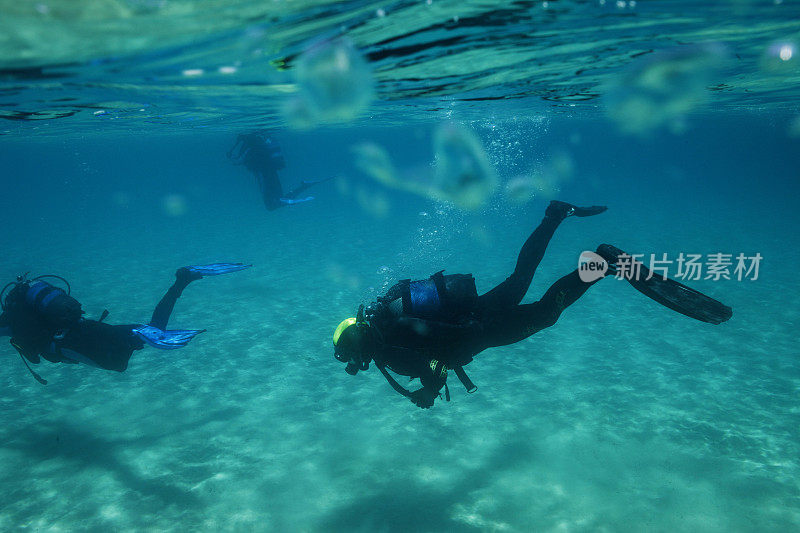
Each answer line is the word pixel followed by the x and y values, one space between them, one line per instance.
pixel 51 305
pixel 442 298
pixel 450 299
pixel 38 312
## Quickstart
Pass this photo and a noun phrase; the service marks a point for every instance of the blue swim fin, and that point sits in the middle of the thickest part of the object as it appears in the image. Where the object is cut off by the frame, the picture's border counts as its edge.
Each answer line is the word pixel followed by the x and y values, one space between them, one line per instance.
pixel 215 269
pixel 166 340
pixel 292 201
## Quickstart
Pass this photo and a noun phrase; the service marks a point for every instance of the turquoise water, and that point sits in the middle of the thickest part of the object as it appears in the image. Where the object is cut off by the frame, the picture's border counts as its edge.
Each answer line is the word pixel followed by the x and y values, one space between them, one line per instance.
pixel 624 416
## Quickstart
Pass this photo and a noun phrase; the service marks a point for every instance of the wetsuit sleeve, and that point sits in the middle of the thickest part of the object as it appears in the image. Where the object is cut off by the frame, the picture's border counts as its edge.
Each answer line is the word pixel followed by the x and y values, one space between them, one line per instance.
pixel 433 377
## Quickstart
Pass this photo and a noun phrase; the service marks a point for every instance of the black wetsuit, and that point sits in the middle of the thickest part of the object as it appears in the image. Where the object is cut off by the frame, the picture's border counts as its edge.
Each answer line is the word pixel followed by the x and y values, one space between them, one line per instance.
pixel 424 348
pixel 86 341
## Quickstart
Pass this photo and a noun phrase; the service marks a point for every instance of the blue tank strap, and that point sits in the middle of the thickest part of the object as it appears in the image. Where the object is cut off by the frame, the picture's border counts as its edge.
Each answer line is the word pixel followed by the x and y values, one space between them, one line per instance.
pixel 424 298
pixel 49 298
pixel 34 290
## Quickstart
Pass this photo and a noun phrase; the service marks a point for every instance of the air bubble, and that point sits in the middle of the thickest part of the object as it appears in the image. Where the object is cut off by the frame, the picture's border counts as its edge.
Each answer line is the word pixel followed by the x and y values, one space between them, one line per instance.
pixel 334 84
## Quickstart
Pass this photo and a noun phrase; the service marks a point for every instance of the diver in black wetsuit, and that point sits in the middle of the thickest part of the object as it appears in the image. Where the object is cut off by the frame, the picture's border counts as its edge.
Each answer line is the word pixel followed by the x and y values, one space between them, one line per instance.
pixel 262 156
pixel 423 328
pixel 45 321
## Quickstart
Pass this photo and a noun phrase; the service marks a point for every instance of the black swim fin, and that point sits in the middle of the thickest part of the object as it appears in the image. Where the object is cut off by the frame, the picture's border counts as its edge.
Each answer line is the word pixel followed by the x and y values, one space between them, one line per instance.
pixel 672 294
pixel 562 210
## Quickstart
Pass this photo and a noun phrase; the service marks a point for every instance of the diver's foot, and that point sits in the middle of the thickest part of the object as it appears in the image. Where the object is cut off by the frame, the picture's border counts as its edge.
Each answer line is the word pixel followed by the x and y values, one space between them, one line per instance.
pixel 611 254
pixel 589 211
pixel 562 210
pixel 134 342
pixel 185 276
pixel 292 201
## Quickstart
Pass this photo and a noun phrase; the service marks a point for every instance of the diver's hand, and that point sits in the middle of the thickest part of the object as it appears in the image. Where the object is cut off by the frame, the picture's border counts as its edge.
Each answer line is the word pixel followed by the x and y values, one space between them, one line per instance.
pixel 423 398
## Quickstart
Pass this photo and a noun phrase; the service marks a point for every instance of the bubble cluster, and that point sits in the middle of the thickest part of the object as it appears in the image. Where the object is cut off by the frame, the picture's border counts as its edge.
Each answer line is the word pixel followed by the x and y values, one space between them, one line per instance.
pixel 374 161
pixel 544 181
pixel 370 200
pixel 373 202
pixel 461 175
pixel 520 189
pixel 509 143
pixel 661 89
pixel 334 84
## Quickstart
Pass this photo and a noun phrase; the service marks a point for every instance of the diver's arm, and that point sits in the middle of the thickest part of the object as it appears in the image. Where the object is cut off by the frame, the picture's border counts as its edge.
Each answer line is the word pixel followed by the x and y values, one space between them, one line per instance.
pixel 433 377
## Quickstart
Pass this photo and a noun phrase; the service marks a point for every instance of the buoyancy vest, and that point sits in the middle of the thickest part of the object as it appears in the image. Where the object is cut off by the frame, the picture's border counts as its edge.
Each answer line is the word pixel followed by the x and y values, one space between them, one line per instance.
pixel 54 307
pixel 442 298
pixel 38 312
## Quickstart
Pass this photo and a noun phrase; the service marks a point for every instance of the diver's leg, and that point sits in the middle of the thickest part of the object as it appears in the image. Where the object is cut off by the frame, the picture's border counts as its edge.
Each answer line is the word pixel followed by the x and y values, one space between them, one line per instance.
pixel 521 321
pixel 511 291
pixel 99 344
pixel 183 277
pixel 271 189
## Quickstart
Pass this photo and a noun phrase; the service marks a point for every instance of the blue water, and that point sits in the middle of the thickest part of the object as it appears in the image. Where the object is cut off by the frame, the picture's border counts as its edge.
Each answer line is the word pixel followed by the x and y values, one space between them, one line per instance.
pixel 624 416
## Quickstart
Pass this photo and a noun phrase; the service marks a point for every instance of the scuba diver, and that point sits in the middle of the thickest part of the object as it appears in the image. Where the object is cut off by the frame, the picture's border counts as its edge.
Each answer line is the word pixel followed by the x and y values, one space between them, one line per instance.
pixel 422 329
pixel 45 321
pixel 262 156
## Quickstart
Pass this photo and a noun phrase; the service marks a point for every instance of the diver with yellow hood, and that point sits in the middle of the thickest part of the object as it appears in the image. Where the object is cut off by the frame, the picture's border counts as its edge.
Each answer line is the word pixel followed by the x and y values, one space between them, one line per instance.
pixel 424 328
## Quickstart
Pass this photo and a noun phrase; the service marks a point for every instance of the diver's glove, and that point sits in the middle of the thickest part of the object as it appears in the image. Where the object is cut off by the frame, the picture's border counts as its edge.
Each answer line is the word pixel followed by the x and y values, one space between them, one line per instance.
pixel 423 398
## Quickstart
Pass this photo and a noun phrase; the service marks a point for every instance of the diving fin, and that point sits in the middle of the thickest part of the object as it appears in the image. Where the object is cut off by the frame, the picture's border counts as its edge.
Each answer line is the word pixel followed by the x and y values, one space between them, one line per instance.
pixel 215 269
pixel 561 210
pixel 670 293
pixel 166 340
pixel 292 201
